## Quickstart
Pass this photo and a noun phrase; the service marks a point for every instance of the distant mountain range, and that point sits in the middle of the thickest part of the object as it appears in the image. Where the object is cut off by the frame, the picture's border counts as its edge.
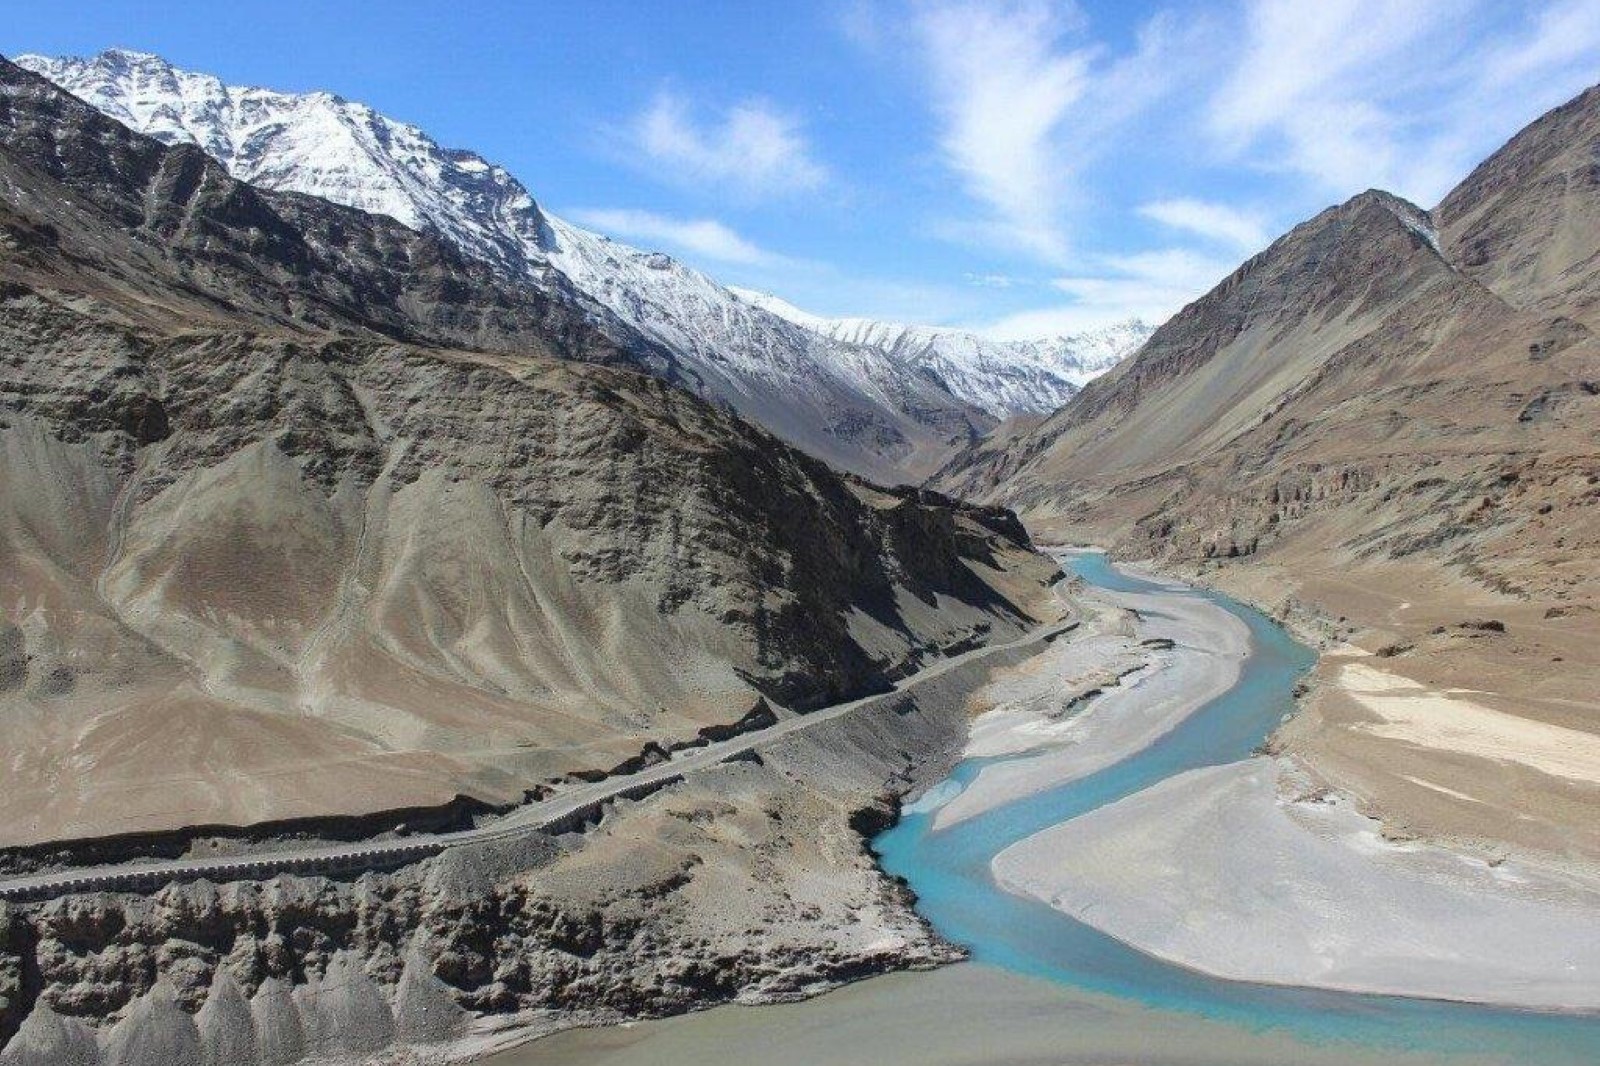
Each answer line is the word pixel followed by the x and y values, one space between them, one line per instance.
pixel 1005 378
pixel 887 402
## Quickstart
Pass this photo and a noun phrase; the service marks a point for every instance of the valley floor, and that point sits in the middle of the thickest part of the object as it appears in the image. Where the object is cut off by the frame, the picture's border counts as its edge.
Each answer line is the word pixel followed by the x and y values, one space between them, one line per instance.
pixel 1247 871
pixel 1452 712
pixel 1257 870
pixel 1254 871
pixel 1147 662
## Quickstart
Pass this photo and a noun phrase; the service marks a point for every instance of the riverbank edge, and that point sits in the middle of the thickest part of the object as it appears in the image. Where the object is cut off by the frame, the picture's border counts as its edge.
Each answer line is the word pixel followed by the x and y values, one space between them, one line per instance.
pixel 508 1032
pixel 1322 634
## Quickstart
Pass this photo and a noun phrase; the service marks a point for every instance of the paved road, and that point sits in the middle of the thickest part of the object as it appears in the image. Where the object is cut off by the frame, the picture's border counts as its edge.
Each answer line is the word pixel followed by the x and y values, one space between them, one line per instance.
pixel 565 809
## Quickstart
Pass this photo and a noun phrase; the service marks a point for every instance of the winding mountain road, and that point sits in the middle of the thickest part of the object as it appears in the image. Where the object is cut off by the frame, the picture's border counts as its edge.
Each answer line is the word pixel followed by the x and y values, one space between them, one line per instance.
pixel 566 809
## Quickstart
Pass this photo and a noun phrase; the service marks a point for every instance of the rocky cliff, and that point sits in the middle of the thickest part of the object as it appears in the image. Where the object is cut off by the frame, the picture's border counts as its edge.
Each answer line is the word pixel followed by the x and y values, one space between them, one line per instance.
pixel 747 882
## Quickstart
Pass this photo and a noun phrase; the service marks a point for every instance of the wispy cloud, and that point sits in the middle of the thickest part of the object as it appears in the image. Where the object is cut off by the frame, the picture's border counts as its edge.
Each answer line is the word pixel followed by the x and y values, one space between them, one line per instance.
pixel 1285 102
pixel 1029 102
pixel 1133 160
pixel 702 236
pixel 1003 87
pixel 1359 93
pixel 1314 82
pixel 993 281
pixel 1240 230
pixel 1146 285
pixel 751 148
pixel 1561 40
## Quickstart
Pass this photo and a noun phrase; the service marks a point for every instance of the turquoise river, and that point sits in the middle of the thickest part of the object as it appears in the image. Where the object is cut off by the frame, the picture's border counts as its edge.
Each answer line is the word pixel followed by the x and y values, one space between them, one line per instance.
pixel 949 870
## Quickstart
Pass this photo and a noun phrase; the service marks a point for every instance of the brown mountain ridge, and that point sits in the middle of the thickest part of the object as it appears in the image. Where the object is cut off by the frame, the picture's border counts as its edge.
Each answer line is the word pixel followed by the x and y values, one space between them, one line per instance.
pixel 303 514
pixel 1386 425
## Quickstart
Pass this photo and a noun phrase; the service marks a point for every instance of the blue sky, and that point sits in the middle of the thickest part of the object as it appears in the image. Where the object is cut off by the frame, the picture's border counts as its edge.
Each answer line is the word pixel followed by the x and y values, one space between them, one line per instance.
pixel 1019 167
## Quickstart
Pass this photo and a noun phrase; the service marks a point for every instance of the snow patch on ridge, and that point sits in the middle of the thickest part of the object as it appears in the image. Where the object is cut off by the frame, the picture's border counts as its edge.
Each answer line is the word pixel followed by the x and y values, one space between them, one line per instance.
pixel 1002 377
pixel 868 395
pixel 1417 221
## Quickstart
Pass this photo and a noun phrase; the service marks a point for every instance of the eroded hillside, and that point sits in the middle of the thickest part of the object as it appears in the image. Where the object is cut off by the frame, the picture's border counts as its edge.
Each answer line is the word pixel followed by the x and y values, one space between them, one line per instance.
pixel 299 516
pixel 1385 427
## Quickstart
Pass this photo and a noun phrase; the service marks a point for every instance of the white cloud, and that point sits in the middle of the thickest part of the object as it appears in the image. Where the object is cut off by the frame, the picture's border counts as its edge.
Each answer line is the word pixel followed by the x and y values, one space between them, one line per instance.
pixel 1028 102
pixel 1311 80
pixel 1398 95
pixel 1216 222
pixel 992 281
pixel 704 237
pixel 1054 141
pixel 752 148
pixel 1561 35
pixel 1147 285
pixel 1525 72
pixel 1002 88
pixel 1349 94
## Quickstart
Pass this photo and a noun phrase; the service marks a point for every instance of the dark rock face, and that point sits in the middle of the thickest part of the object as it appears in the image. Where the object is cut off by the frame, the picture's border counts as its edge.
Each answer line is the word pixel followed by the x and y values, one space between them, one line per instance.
pixel 13 658
pixel 650 484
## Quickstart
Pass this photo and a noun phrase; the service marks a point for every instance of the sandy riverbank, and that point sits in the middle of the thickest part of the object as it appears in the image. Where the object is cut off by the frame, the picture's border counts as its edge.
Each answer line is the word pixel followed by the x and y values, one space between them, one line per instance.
pixel 1245 872
pixel 1156 657
pixel 1470 716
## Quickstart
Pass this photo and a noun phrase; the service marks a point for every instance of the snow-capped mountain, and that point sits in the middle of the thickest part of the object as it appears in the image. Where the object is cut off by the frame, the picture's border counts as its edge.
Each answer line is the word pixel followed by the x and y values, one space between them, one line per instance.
pixel 880 410
pixel 1004 378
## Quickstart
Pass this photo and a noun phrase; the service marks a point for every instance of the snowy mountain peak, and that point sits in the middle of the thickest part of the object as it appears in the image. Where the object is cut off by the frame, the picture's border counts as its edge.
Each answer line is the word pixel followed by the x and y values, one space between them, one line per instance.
pixel 1004 377
pixel 887 401
pixel 316 143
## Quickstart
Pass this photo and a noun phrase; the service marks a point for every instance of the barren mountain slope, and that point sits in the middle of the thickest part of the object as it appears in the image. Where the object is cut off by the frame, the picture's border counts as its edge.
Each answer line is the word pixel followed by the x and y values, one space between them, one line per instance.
pixel 850 404
pixel 298 517
pixel 1526 222
pixel 1393 431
